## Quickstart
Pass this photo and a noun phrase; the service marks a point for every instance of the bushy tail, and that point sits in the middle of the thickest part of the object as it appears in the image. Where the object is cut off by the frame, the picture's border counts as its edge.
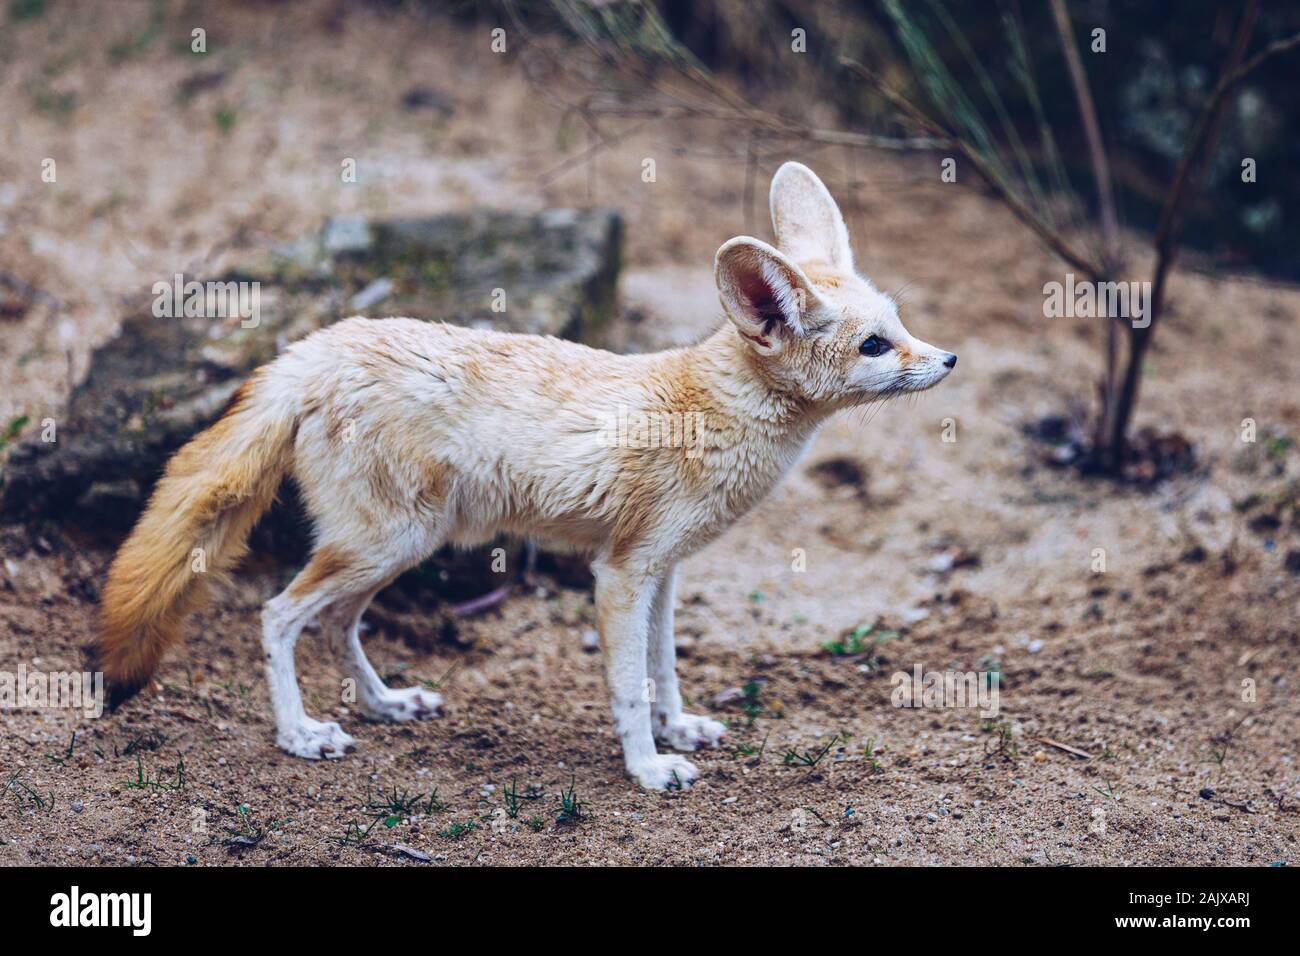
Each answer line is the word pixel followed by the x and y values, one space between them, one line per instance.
pixel 212 492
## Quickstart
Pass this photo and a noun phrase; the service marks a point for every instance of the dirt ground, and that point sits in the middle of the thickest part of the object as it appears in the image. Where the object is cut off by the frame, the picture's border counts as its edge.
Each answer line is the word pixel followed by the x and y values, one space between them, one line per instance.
pixel 1173 669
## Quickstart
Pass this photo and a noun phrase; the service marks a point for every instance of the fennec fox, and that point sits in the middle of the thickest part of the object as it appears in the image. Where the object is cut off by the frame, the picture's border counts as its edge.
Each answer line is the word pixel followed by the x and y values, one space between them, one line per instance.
pixel 404 435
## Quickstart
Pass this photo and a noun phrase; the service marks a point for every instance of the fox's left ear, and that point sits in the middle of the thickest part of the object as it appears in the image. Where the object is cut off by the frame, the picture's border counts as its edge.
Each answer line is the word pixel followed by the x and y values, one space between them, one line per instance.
pixel 807 221
pixel 767 297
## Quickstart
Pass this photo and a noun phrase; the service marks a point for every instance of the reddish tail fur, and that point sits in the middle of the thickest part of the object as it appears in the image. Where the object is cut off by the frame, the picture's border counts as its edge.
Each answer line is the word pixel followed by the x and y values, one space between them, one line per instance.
pixel 213 491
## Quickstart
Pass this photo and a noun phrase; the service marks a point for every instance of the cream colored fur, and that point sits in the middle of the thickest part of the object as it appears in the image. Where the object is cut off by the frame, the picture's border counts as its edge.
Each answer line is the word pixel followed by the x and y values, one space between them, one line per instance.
pixel 404 435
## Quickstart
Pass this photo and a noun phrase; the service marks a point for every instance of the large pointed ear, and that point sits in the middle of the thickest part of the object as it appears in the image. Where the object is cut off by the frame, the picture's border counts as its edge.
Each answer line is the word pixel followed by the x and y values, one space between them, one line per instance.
pixel 767 296
pixel 808 224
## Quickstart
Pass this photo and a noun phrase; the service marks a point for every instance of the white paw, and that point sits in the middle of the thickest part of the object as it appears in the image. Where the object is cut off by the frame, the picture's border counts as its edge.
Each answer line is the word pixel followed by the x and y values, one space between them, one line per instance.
pixel 663 771
pixel 314 740
pixel 408 703
pixel 688 731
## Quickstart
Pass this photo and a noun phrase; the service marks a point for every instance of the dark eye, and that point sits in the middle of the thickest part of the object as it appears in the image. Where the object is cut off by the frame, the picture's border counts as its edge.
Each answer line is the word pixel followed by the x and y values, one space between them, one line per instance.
pixel 874 346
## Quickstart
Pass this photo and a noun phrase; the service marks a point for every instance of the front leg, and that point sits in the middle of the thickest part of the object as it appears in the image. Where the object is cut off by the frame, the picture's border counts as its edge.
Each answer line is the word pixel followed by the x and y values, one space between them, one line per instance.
pixel 679 730
pixel 624 600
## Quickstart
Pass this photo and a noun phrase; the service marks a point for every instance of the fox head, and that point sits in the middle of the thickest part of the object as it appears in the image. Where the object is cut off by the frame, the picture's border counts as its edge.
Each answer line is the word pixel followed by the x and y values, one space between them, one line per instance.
pixel 816 327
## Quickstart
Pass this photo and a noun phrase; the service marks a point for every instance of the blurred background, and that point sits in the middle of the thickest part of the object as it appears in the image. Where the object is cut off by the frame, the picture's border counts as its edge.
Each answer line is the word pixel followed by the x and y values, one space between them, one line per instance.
pixel 1149 87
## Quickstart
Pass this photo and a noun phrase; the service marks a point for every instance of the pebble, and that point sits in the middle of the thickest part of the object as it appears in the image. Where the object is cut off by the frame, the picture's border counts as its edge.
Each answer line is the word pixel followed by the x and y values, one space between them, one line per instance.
pixel 941 563
pixel 77 806
pixel 373 294
pixel 727 696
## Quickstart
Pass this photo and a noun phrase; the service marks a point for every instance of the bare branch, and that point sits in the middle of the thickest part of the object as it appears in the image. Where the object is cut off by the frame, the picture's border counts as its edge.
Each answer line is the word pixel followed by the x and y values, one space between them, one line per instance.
pixel 1184 184
pixel 1092 132
pixel 1207 125
pixel 1050 237
pixel 1105 203
pixel 758 119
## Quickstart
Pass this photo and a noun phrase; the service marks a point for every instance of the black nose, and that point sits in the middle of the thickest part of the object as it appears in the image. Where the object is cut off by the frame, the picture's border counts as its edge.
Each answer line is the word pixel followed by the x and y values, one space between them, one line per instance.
pixel 950 361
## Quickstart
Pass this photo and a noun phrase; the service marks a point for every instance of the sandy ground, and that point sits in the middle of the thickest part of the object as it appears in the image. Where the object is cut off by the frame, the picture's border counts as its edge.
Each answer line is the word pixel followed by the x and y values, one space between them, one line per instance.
pixel 1173 669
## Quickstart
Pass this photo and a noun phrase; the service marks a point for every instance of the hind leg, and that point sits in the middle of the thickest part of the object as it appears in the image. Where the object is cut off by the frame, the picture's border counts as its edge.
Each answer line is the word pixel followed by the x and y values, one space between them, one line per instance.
pixel 341 622
pixel 282 623
pixel 336 572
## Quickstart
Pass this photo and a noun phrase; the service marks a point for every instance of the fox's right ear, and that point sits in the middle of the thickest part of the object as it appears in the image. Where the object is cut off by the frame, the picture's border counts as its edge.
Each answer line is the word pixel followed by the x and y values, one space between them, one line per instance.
pixel 767 297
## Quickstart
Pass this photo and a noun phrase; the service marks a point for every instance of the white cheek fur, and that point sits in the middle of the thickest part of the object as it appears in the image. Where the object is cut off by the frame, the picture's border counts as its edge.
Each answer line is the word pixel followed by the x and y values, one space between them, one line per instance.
pixel 875 374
